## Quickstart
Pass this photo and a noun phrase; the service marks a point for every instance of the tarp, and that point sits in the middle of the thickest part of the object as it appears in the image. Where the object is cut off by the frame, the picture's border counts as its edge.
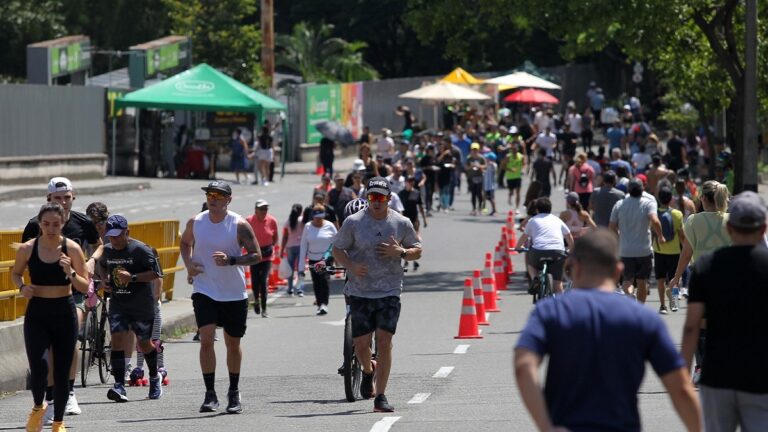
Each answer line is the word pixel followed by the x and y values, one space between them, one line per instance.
pixel 201 88
pixel 443 91
pixel 521 79
pixel 460 76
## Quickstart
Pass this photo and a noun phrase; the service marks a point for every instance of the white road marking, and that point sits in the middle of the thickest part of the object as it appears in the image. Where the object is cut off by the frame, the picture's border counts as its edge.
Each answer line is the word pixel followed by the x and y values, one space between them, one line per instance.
pixel 135 210
pixel 384 424
pixel 339 323
pixel 419 398
pixel 273 298
pixel 461 349
pixel 443 372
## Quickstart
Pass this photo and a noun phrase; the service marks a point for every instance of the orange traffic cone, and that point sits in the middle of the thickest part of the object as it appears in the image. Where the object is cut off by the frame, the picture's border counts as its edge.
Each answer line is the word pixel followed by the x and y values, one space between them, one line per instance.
pixel 500 276
pixel 468 321
pixel 477 287
pixel 488 273
pixel 489 295
pixel 248 281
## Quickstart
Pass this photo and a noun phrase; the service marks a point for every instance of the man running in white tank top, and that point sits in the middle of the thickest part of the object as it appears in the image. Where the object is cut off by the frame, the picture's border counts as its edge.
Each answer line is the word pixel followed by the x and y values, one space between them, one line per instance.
pixel 211 249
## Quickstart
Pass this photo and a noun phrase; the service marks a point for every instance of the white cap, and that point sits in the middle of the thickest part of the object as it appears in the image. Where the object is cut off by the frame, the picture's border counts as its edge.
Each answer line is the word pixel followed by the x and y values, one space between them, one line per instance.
pixel 59 184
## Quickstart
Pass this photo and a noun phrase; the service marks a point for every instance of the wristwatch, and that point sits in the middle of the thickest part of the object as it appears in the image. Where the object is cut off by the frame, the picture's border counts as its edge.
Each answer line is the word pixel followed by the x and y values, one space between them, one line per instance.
pixel 402 254
pixel 72 275
pixel 133 278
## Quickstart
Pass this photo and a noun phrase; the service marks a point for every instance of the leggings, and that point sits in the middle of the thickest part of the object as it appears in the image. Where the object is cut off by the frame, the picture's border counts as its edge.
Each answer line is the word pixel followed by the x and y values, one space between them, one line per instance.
pixel 429 191
pixel 259 275
pixel 157 327
pixel 50 322
pixel 292 255
pixel 319 285
pixel 477 195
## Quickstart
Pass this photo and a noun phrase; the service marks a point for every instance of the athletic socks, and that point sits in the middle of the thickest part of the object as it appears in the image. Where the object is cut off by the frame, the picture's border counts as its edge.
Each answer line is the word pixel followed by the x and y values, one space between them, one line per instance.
pixel 151 358
pixel 234 380
pixel 117 358
pixel 209 379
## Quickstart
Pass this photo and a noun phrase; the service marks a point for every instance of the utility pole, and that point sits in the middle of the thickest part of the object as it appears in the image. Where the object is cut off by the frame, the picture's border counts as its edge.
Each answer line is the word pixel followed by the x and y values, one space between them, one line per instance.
pixel 749 156
pixel 268 42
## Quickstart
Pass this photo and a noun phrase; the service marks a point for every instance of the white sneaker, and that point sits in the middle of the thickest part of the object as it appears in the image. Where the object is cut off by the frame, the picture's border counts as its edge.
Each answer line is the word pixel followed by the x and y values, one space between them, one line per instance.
pixel 49 414
pixel 673 304
pixel 684 292
pixel 72 407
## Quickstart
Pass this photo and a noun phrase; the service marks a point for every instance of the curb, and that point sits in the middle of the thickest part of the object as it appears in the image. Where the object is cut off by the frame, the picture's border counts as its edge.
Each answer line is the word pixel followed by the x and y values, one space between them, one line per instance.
pixel 31 192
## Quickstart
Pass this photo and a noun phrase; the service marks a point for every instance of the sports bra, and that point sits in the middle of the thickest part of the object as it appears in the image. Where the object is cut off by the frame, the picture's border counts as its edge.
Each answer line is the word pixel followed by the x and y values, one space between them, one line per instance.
pixel 47 274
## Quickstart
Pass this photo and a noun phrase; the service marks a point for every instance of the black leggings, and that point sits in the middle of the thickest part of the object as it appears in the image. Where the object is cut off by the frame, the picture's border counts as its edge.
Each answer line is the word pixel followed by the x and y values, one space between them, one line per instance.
pixel 319 284
pixel 50 322
pixel 477 195
pixel 259 276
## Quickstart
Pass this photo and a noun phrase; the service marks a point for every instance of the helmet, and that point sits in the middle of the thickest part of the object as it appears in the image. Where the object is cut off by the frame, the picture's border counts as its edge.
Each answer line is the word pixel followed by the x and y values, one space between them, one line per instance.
pixel 355 206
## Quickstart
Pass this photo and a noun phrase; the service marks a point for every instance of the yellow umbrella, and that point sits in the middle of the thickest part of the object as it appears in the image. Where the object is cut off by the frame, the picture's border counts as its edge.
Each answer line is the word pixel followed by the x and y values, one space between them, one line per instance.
pixel 460 76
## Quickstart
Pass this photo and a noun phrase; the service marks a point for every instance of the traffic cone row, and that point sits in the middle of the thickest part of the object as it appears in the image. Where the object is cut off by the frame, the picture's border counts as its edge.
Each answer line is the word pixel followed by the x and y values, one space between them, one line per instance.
pixel 274 276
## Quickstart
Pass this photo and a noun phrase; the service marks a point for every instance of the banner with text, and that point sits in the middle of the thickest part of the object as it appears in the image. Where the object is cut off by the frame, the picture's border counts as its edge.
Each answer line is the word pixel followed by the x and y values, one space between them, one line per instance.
pixel 342 103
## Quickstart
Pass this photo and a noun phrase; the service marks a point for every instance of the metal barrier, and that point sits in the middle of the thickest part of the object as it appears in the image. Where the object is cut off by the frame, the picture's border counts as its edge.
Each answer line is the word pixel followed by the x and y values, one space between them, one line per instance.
pixel 163 235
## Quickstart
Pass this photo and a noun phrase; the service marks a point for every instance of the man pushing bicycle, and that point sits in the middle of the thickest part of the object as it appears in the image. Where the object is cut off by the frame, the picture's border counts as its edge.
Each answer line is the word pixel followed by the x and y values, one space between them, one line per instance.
pixel 371 245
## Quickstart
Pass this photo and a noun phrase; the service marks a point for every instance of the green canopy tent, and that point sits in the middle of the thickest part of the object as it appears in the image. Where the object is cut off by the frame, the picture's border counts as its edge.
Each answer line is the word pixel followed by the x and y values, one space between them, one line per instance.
pixel 201 88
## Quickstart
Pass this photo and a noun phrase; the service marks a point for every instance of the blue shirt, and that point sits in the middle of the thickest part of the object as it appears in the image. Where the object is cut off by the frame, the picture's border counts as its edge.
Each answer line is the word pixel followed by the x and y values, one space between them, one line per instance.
pixel 615 134
pixel 597 343
pixel 614 164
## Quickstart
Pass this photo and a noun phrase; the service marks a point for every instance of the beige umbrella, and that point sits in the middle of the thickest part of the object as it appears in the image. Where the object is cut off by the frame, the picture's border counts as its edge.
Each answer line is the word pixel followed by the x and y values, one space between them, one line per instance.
pixel 521 79
pixel 443 91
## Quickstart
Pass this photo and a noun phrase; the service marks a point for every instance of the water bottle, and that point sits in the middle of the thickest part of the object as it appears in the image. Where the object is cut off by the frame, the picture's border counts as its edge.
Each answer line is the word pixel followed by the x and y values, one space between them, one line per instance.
pixel 676 293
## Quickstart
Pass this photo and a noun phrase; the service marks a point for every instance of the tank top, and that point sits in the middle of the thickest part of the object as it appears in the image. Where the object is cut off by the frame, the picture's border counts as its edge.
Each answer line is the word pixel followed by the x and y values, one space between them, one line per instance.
pixel 46 274
pixel 706 231
pixel 574 223
pixel 221 283
pixel 514 168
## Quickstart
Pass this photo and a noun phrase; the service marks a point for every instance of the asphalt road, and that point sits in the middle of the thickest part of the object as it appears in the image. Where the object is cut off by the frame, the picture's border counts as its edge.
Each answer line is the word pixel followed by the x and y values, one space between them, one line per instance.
pixel 289 380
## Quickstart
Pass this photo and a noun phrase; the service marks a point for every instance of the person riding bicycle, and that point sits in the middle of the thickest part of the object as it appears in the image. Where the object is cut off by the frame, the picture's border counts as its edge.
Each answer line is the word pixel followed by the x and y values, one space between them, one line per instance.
pixel 548 235
pixel 371 245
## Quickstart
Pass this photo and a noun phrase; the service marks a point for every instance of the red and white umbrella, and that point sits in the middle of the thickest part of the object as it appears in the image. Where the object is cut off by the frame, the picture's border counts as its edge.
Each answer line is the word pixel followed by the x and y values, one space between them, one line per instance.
pixel 531 96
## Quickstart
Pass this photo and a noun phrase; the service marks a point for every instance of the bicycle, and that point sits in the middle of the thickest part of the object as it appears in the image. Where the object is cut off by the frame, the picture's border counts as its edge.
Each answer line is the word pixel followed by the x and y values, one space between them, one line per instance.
pixel 542 285
pixel 96 343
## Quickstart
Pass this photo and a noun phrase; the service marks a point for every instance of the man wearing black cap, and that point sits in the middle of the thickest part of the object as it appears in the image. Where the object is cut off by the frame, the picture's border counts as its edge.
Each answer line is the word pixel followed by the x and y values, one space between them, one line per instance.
pixel 371 245
pixel 128 267
pixel 728 288
pixel 632 220
pixel 211 247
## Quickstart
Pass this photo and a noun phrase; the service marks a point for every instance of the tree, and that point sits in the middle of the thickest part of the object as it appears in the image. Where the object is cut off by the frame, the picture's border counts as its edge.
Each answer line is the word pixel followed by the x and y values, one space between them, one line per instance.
pixel 23 22
pixel 224 34
pixel 317 57
pixel 695 46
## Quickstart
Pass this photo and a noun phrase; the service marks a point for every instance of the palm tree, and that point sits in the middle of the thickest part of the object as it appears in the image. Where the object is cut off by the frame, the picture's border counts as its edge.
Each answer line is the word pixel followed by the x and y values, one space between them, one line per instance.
pixel 317 57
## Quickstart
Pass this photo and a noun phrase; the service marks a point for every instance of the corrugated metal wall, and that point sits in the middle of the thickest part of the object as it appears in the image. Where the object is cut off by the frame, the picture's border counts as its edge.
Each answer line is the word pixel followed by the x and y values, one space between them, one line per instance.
pixel 51 120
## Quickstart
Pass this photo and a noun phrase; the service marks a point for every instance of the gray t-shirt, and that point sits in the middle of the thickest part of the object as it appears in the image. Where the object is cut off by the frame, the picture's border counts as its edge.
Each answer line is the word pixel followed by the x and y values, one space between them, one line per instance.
pixel 632 216
pixel 359 236
pixel 602 201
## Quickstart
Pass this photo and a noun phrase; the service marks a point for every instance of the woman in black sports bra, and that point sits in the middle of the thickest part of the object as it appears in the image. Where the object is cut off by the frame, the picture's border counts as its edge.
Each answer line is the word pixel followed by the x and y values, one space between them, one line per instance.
pixel 55 265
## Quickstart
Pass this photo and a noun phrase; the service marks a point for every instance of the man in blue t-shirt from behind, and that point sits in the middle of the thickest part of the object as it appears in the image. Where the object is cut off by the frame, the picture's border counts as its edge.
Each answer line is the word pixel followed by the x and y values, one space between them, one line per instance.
pixel 597 343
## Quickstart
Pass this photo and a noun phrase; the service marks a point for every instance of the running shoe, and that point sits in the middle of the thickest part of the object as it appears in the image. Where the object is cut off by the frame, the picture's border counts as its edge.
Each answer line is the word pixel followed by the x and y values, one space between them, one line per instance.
pixel 156 386
pixel 380 404
pixel 366 385
pixel 257 308
pixel 136 377
pixel 233 404
pixel 663 310
pixel 35 420
pixel 117 393
pixel 300 293
pixel 49 413
pixel 264 314
pixel 196 337
pixel 72 408
pixel 211 402
pixel 684 292
pixel 323 310
pixel 673 304
pixel 58 427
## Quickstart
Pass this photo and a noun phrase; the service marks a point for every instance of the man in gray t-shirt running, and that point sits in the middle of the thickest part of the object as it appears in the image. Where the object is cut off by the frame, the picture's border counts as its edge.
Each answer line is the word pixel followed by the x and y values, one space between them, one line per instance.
pixel 371 245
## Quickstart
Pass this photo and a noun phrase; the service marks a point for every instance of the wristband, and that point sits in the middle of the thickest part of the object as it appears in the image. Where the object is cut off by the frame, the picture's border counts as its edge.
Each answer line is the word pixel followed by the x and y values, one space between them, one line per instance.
pixel 231 260
pixel 402 255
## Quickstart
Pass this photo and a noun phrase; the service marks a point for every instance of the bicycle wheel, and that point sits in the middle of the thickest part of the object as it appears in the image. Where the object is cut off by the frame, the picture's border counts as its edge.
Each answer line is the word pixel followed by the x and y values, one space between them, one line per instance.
pixel 546 288
pixel 352 369
pixel 87 346
pixel 104 344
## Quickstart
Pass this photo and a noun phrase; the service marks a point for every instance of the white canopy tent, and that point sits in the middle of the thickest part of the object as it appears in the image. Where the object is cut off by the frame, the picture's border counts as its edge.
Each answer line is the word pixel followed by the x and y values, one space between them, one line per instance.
pixel 444 91
pixel 522 79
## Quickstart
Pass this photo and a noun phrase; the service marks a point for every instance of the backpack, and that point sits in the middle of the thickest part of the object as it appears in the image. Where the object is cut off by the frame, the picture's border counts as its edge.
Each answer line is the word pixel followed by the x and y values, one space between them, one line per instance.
pixel 667 223
pixel 583 179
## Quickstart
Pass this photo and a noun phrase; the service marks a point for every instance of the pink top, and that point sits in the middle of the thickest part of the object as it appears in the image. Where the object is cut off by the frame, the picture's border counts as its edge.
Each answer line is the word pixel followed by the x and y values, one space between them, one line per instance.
pixel 293 235
pixel 575 172
pixel 265 231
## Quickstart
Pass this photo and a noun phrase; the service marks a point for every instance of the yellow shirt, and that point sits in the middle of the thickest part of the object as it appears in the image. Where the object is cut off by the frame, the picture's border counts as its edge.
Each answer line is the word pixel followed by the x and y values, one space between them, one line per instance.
pixel 672 246
pixel 706 232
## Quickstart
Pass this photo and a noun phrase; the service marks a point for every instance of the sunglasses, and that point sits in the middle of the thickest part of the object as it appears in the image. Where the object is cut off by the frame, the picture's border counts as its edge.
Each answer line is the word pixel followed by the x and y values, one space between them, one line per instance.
pixel 377 198
pixel 262 208
pixel 216 195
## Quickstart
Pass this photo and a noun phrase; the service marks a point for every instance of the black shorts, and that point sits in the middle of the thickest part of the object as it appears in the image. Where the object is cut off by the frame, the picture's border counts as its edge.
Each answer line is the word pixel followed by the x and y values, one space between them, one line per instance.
pixel 231 315
pixel 121 321
pixel 533 258
pixel 490 194
pixel 637 267
pixel 665 266
pixel 514 183
pixel 369 315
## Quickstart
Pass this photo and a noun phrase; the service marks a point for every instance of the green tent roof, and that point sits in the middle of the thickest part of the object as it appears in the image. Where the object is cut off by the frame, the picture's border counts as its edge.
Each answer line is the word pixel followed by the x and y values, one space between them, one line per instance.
pixel 201 88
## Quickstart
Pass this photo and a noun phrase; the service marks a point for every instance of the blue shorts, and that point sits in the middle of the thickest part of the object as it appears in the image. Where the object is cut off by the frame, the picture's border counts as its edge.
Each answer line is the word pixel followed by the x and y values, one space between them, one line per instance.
pixel 124 321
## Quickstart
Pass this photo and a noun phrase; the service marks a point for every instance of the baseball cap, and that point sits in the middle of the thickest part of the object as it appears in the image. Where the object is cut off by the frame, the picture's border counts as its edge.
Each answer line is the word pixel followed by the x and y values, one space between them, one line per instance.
pixel 642 178
pixel 474 146
pixel 358 165
pixel 747 210
pixel 218 186
pixel 116 224
pixel 59 184
pixel 572 197
pixel 378 185
pixel 261 203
